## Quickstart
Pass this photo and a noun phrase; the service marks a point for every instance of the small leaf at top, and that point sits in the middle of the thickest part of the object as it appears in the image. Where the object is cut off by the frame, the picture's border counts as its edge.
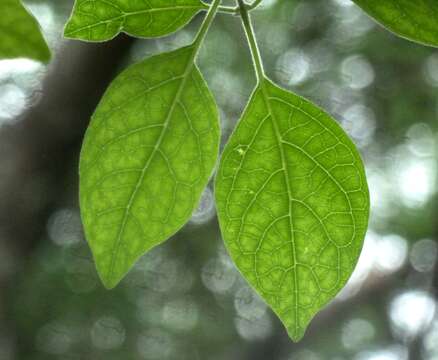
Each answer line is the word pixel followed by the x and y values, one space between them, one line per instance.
pixel 416 20
pixel 293 204
pixel 147 156
pixel 20 35
pixel 100 20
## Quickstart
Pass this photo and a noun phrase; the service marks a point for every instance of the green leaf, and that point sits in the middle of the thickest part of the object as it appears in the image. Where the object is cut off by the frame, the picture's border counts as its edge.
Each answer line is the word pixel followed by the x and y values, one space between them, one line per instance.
pixel 147 156
pixel 100 20
pixel 293 204
pixel 20 35
pixel 415 20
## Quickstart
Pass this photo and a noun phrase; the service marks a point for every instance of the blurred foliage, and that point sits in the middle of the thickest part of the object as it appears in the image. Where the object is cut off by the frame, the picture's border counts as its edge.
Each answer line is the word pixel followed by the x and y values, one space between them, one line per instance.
pixel 382 89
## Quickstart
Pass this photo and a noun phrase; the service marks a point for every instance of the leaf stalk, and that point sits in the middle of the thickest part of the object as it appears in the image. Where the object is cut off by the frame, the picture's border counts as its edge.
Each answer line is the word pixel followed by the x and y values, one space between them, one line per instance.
pixel 252 42
pixel 200 36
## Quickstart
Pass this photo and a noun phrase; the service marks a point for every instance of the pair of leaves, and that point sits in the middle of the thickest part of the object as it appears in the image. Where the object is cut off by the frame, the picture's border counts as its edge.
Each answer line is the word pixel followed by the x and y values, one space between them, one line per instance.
pixel 20 35
pixel 290 191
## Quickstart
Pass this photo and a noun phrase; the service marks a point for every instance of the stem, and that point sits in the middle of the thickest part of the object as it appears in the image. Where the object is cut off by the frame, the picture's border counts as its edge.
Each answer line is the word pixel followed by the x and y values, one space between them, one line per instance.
pixel 255 53
pixel 200 36
pixel 228 9
pixel 235 10
pixel 254 5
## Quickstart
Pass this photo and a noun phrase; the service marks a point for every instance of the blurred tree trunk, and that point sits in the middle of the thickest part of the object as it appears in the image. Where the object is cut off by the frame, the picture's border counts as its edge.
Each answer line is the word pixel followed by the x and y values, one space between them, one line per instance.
pixel 37 152
pixel 34 152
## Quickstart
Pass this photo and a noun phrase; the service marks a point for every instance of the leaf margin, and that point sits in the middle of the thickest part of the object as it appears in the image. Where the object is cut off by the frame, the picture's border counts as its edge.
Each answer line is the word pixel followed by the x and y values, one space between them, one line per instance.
pixel 378 19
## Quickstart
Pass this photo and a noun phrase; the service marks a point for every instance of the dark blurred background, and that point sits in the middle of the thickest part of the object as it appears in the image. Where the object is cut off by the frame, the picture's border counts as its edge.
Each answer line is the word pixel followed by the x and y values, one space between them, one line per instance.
pixel 185 299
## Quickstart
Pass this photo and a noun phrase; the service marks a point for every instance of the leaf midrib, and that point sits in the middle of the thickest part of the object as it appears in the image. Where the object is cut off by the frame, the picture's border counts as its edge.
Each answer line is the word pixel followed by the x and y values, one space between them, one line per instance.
pixel 280 142
pixel 132 13
pixel 278 138
pixel 187 70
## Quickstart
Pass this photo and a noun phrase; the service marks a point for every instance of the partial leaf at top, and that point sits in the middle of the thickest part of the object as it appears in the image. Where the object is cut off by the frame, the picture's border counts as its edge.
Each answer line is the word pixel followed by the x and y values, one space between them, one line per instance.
pixel 100 20
pixel 20 35
pixel 416 20
pixel 293 204
pixel 147 156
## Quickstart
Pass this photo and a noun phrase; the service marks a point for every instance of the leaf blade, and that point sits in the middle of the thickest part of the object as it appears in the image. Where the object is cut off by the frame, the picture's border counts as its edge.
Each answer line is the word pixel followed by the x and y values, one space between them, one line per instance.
pixel 413 20
pixel 271 212
pixel 146 161
pixel 20 33
pixel 98 20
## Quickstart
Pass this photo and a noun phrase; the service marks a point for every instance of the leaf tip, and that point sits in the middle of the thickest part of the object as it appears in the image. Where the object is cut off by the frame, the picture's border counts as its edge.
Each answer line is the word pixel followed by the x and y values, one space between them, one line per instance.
pixel 296 334
pixel 109 284
pixel 108 281
pixel 109 276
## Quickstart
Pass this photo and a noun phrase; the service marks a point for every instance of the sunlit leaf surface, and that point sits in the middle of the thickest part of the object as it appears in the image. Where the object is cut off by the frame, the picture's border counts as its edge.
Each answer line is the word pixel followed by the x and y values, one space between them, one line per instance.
pixel 147 156
pixel 20 35
pixel 414 20
pixel 293 204
pixel 100 20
